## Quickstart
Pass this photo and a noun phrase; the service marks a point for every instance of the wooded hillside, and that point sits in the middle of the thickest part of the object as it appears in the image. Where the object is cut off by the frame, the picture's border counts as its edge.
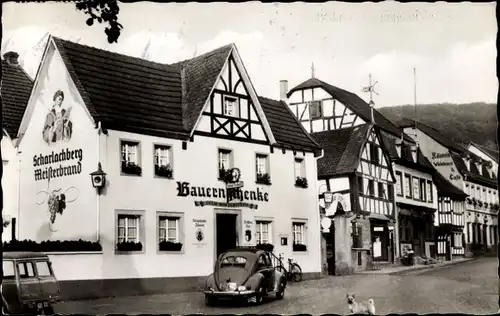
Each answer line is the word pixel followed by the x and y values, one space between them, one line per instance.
pixel 476 122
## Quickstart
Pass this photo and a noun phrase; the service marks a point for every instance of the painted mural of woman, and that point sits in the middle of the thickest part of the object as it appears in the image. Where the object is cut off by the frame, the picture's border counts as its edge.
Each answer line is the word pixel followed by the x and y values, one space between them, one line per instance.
pixel 58 125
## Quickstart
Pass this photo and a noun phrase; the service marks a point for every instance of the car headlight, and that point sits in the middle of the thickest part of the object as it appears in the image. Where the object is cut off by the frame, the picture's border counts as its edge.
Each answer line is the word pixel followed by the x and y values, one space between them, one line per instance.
pixel 241 288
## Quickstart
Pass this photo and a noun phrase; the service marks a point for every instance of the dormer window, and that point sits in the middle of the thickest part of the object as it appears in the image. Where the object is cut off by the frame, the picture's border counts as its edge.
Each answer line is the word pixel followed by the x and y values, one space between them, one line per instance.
pixel 414 153
pixel 315 110
pixel 467 162
pixel 479 167
pixel 399 144
pixel 230 106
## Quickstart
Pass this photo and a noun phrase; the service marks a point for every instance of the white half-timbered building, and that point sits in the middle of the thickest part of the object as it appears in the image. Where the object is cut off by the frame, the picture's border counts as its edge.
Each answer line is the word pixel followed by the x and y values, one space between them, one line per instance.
pixel 169 138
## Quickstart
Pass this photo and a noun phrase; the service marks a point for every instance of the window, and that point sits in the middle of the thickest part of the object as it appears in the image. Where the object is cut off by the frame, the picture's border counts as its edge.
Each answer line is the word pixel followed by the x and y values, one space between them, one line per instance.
pixel 315 110
pixel 390 190
pixel 298 233
pixel 163 161
pixel 416 188
pixel 381 190
pixel 26 270
pixel 262 168
pixel 130 157
pixel 230 106
pixel 357 239
pixel 43 269
pixel 429 191
pixel 8 270
pixel 225 161
pixel 374 158
pixel 371 187
pixel 130 152
pixel 408 186
pixel 361 185
pixel 263 232
pixel 168 229
pixel 128 228
pixel 423 191
pixel 299 168
pixel 478 192
pixel 399 183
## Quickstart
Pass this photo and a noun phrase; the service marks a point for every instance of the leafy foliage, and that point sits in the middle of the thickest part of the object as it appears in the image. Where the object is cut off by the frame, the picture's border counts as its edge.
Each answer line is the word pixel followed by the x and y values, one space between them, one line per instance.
pixel 476 122
pixel 103 11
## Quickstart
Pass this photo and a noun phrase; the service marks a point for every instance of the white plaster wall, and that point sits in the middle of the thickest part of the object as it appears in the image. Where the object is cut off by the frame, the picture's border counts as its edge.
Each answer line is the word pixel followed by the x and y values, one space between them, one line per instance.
pixel 9 183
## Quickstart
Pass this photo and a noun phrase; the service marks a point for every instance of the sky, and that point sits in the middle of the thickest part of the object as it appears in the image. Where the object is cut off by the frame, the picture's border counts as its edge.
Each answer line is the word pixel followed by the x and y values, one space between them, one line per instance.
pixel 451 46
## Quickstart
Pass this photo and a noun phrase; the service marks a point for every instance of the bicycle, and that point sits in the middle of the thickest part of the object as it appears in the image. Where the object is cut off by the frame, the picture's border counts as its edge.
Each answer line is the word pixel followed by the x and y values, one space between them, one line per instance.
pixel 294 272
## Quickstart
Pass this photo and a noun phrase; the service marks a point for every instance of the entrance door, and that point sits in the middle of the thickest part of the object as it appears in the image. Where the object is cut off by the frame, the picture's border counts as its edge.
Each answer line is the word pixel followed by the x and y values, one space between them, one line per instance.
pixel 380 243
pixel 330 249
pixel 226 235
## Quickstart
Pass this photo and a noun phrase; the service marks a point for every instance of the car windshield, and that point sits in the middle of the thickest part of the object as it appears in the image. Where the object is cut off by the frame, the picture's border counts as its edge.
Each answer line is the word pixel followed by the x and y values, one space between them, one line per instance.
pixel 8 270
pixel 233 261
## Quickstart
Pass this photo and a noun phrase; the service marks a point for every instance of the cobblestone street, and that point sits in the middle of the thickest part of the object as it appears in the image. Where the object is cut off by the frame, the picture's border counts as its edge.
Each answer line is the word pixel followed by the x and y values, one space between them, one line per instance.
pixel 470 287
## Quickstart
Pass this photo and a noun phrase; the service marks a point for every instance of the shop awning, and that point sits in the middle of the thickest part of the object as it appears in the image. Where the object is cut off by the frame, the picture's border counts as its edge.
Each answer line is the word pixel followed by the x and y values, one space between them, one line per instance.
pixel 418 214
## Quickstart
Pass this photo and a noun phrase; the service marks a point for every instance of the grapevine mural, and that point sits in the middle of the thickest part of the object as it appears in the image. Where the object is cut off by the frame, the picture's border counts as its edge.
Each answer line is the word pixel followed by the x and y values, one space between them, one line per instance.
pixel 57 200
pixel 58 125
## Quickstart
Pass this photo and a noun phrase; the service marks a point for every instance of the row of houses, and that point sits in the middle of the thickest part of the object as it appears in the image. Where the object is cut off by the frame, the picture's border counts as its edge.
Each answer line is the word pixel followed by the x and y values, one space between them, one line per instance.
pixel 139 174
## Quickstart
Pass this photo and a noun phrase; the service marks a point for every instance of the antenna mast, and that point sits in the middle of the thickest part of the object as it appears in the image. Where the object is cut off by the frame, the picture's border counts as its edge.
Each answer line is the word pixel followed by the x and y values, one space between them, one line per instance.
pixel 371 89
pixel 415 100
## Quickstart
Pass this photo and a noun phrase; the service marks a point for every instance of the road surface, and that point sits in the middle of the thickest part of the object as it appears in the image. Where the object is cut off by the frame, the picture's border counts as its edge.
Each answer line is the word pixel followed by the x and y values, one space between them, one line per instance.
pixel 470 287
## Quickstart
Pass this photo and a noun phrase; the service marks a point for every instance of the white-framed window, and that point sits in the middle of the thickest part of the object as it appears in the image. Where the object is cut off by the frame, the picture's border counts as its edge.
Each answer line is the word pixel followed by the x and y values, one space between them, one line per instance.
pixel 225 161
pixel 163 155
pixel 43 269
pixel 128 228
pixel 416 188
pixel 262 164
pixel 231 106
pixel 298 229
pixel 429 190
pixel 399 183
pixel 299 168
pixel 130 152
pixel 168 228
pixel 408 186
pixel 263 232
pixel 423 190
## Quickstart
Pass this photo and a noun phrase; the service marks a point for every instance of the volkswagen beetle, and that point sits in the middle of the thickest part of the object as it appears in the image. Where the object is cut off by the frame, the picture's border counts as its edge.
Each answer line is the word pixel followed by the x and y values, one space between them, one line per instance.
pixel 247 274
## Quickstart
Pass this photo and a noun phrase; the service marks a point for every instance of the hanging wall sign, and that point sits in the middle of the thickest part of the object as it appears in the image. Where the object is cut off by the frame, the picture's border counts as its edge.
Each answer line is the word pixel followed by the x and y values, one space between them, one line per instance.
pixel 199 231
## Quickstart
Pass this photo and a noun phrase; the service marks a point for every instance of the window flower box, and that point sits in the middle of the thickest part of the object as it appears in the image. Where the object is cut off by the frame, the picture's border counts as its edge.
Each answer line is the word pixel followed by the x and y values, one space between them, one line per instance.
pixel 129 246
pixel 474 201
pixel 263 178
pixel 299 247
pixel 222 174
pixel 169 246
pixel 52 246
pixel 131 168
pixel 480 203
pixel 301 182
pixel 164 171
pixel 265 247
pixel 469 200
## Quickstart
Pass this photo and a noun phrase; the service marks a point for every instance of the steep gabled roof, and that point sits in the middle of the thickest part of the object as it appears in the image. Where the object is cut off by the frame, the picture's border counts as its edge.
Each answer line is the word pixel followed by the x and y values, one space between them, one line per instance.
pixel 446 188
pixel 139 96
pixel 287 130
pixel 342 149
pixel 199 77
pixel 493 154
pixel 354 103
pixel 473 174
pixel 406 159
pixel 15 92
pixel 125 93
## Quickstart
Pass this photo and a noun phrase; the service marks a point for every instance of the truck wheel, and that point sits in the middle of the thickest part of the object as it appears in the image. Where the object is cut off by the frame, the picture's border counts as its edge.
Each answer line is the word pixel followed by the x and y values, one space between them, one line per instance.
pixel 48 310
pixel 210 301
pixel 281 293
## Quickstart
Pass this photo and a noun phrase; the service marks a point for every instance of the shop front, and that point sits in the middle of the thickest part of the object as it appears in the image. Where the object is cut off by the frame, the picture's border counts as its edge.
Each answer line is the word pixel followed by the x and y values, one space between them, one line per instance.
pixel 416 231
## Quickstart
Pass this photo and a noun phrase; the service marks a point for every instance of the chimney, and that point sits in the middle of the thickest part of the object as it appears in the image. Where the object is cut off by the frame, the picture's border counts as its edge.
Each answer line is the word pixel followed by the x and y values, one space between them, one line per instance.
pixel 11 58
pixel 283 90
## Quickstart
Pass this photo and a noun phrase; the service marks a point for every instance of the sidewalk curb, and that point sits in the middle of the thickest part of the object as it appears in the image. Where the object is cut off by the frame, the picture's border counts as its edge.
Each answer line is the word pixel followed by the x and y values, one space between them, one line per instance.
pixel 428 268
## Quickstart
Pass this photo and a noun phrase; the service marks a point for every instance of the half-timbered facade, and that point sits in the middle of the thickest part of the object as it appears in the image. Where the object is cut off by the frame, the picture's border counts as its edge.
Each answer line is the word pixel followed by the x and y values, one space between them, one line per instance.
pixel 196 163
pixel 15 90
pixel 472 175
pixel 355 165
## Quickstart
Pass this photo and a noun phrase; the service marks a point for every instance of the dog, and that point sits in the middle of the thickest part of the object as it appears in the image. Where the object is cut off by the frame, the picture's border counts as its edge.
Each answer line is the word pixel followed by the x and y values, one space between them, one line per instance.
pixel 367 308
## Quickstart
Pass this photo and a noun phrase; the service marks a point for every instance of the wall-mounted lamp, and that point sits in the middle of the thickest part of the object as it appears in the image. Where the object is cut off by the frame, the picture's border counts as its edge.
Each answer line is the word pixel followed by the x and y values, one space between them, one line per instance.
pixel 98 178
